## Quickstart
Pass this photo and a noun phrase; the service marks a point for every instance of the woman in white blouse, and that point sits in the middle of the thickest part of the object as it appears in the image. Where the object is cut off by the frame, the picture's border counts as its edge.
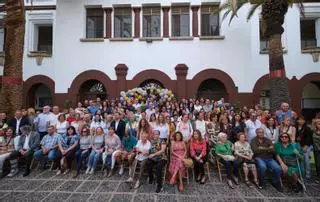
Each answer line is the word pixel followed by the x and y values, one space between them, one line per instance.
pixel 62 125
pixel 185 127
pixel 200 125
pixel 163 127
pixel 271 131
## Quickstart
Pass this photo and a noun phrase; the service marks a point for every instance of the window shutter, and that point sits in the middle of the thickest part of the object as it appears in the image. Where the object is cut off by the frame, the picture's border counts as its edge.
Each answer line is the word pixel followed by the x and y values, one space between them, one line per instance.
pixel 180 10
pixel 122 11
pixel 209 9
pixel 151 11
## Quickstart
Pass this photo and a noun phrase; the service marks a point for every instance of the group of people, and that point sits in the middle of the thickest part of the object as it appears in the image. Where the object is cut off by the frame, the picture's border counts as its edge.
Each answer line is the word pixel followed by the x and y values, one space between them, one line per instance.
pixel 174 135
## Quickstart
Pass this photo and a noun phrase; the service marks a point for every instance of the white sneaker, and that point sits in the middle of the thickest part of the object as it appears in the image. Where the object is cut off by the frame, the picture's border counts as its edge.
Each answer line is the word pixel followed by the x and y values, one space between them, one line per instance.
pixel 137 184
pixel 88 170
pixel 121 170
pixel 13 173
pixel 59 172
pixel 66 172
pixel 129 179
pixel 91 171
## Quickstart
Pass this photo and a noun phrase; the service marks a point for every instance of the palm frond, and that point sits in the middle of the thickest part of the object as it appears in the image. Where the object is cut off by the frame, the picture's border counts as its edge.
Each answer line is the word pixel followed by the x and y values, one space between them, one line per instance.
pixel 252 10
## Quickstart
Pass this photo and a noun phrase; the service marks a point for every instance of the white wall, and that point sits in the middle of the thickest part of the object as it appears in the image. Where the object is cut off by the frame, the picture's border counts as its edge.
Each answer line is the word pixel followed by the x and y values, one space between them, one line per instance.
pixel 238 54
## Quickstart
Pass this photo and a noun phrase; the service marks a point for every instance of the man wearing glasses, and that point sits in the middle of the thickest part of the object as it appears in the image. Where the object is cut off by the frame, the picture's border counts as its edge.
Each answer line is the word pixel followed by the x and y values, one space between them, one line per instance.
pixel 43 120
pixel 263 150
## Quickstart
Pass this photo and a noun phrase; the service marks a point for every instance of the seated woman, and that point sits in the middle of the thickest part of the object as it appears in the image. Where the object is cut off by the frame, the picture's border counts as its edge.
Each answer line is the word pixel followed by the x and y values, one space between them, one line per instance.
pixel 178 153
pixel 68 145
pixel 112 145
pixel 84 150
pixel 289 156
pixel 127 153
pixel 142 150
pixel 224 150
pixel 244 154
pixel 96 150
pixel 198 152
pixel 8 144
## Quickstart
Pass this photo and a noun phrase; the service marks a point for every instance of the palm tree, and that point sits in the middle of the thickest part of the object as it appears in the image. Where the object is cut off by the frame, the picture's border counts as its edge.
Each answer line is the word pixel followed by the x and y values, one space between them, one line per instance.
pixel 12 89
pixel 273 14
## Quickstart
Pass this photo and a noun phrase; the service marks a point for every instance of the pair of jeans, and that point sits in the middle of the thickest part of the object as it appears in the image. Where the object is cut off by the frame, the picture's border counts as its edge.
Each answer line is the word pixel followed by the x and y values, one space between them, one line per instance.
pixel 307 161
pixel 159 166
pixel 108 162
pixel 81 157
pixel 52 155
pixel 232 168
pixel 271 164
pixel 93 159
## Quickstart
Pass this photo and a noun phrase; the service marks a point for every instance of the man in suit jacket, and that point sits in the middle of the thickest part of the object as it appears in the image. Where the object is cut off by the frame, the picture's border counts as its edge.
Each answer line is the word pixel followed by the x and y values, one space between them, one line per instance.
pixel 119 125
pixel 18 121
pixel 29 143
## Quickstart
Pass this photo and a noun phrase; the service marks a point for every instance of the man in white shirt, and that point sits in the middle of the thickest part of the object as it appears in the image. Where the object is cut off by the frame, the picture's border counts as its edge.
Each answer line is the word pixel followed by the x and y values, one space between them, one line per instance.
pixel 251 125
pixel 55 113
pixel 43 121
pixel 150 110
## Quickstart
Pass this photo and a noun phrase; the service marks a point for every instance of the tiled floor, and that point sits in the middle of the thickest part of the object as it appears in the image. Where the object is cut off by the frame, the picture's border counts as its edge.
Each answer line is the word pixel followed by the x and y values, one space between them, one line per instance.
pixel 46 186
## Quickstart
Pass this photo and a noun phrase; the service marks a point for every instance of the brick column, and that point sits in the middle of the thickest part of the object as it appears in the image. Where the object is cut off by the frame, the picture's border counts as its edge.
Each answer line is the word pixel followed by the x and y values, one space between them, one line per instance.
pixel 165 21
pixel 195 26
pixel 181 73
pixel 136 11
pixel 121 72
pixel 108 12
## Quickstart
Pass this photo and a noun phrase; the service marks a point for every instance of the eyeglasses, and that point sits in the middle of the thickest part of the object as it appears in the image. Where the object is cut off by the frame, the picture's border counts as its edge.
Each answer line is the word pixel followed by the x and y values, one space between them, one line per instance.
pixel 84 131
pixel 259 132
pixel 284 137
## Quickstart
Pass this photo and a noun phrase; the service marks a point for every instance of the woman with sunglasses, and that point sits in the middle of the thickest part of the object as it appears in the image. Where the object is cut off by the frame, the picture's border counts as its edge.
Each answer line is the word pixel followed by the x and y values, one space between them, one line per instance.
pixel 289 156
pixel 84 150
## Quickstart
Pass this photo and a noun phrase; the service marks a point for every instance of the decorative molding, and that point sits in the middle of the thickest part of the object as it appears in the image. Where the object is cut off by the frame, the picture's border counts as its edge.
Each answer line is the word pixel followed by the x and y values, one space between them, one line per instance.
pixel 39 55
pixel 181 38
pixel 211 37
pixel 92 40
pixel 121 39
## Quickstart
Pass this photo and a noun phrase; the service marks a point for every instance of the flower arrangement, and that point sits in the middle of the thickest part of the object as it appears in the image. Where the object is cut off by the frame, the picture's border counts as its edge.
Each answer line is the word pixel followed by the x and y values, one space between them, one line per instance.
pixel 160 95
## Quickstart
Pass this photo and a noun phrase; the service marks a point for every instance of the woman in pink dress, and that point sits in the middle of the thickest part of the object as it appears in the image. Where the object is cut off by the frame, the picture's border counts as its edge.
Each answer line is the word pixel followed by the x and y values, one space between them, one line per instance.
pixel 177 154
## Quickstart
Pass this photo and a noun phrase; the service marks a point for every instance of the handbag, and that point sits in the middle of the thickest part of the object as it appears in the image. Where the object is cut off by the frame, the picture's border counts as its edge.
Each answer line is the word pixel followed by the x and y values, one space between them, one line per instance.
pixel 188 163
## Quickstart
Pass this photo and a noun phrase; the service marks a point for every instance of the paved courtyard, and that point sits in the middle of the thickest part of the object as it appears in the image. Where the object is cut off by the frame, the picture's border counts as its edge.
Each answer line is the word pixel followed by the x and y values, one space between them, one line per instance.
pixel 46 186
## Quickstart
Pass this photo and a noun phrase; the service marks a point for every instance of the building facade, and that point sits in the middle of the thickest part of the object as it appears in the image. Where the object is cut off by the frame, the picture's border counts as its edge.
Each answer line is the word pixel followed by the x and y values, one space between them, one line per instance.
pixel 79 49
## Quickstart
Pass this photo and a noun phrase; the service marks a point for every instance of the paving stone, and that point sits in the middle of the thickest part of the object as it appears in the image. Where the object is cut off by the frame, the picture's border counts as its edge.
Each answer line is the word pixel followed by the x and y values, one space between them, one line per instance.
pixel 166 198
pixel 31 185
pixel 36 196
pixel 89 186
pixel 144 198
pixel 256 199
pixel 50 185
pixel 14 196
pixel 11 184
pixel 78 197
pixel 245 191
pixel 100 197
pixel 125 187
pixel 121 198
pixel 107 186
pixel 47 174
pixel 189 199
pixel 54 197
pixel 270 191
pixel 69 186
pixel 207 189
pixel 230 199
pixel 224 190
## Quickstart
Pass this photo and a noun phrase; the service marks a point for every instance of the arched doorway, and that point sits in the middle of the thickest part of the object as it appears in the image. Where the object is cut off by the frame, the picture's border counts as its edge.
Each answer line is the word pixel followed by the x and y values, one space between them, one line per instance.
pixel 310 101
pixel 91 89
pixel 151 83
pixel 212 89
pixel 39 95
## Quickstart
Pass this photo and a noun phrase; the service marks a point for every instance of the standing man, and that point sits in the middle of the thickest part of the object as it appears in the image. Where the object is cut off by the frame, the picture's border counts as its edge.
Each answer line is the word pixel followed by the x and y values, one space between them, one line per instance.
pixel 119 125
pixel 251 126
pixel 285 112
pixel 43 121
pixel 18 121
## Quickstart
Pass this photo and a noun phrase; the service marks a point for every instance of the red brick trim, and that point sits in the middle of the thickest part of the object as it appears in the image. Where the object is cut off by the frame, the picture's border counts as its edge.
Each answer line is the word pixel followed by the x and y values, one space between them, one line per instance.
pixel 195 26
pixel 222 76
pixel 108 12
pixel 165 21
pixel 136 11
pixel 29 87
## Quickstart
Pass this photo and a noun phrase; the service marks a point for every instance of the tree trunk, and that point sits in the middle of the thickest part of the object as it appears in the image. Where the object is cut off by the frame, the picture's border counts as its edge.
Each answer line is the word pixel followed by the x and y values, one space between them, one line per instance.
pixel 12 80
pixel 273 13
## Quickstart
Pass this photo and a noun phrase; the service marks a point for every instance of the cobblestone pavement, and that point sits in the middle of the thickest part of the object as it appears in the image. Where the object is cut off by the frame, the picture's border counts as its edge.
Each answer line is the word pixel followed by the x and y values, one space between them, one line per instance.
pixel 46 186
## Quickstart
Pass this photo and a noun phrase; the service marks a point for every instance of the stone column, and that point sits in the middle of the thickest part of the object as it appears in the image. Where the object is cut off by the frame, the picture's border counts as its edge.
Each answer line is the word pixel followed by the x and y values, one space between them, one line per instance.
pixel 108 12
pixel 165 21
pixel 195 26
pixel 121 72
pixel 181 73
pixel 136 11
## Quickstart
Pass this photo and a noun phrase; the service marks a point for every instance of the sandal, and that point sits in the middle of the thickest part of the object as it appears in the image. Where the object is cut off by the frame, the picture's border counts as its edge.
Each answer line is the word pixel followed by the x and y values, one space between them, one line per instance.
pixel 172 180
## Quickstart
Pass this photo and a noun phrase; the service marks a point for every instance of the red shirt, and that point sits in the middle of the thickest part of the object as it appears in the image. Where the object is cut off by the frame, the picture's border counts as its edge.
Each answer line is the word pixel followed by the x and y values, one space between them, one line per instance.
pixel 195 145
pixel 70 119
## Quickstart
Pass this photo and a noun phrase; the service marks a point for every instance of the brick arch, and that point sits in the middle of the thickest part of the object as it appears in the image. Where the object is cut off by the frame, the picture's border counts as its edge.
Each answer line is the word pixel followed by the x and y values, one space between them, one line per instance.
pixel 88 75
pixel 260 83
pixel 304 81
pixel 222 76
pixel 152 74
pixel 30 84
